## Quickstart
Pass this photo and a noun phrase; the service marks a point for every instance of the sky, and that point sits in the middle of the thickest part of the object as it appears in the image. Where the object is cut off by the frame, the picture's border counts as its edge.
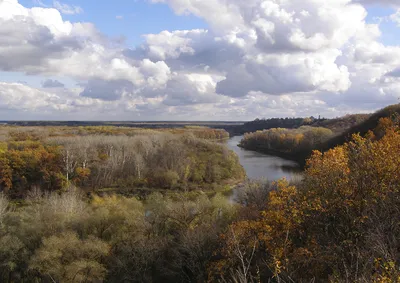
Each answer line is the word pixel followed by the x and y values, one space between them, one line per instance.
pixel 209 60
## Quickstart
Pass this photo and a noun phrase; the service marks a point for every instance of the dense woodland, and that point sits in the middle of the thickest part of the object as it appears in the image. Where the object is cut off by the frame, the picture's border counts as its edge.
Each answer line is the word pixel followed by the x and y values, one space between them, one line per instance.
pixel 341 124
pixel 288 142
pixel 52 158
pixel 297 143
pixel 339 224
pixel 337 125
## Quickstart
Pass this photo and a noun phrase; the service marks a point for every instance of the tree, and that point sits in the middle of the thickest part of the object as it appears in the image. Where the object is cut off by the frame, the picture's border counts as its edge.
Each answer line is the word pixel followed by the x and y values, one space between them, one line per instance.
pixel 66 258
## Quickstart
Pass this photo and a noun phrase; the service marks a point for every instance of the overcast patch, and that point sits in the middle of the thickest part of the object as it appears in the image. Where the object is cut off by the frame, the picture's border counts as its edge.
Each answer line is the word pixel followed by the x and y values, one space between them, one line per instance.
pixel 49 83
pixel 107 90
pixel 394 3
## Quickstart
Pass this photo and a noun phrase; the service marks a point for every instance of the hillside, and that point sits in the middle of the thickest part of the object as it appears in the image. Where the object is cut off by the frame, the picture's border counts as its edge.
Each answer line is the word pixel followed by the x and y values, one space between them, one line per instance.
pixel 290 141
pixel 341 124
pixel 368 125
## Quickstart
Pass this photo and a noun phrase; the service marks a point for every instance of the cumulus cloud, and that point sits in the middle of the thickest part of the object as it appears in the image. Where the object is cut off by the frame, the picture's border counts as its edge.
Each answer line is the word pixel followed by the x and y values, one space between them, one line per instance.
pixel 282 48
pixel 266 46
pixel 17 96
pixel 257 58
pixel 39 41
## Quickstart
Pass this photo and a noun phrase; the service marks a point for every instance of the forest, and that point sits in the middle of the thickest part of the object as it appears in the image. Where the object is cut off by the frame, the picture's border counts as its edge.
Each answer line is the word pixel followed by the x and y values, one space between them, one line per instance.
pixel 121 204
pixel 299 140
pixel 337 125
pixel 340 223
pixel 289 143
pixel 119 158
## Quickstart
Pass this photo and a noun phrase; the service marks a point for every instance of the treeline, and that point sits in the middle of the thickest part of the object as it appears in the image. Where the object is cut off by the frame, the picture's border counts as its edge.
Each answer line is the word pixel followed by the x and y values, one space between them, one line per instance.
pixel 341 124
pixel 337 125
pixel 298 143
pixel 289 142
pixel 265 124
pixel 339 224
pixel 104 157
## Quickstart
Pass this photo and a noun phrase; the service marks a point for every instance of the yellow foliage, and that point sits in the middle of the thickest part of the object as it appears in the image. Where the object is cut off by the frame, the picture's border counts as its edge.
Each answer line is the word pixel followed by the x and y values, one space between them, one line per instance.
pixel 324 226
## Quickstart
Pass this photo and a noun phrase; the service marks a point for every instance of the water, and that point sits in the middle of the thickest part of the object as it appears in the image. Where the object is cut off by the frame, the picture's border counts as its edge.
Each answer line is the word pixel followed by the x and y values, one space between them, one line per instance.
pixel 263 166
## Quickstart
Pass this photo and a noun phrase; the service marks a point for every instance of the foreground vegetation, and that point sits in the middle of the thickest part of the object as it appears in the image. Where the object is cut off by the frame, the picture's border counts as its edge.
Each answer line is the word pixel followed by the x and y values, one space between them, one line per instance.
pixel 111 157
pixel 339 224
pixel 68 238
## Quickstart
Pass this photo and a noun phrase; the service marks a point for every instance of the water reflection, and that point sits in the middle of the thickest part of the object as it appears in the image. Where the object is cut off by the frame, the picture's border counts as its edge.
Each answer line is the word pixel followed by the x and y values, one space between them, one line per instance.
pixel 263 166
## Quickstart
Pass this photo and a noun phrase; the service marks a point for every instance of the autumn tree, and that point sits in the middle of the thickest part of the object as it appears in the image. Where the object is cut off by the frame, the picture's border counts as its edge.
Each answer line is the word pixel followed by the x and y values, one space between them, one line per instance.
pixel 340 224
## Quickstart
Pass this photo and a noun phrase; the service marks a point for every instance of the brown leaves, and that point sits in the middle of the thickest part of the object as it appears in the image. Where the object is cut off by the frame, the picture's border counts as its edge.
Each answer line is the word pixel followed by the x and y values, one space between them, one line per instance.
pixel 322 228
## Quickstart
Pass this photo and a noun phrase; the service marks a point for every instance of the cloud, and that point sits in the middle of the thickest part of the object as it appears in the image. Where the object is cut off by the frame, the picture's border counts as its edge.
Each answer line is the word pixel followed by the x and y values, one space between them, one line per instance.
pixel 67 9
pixel 18 96
pixel 187 89
pixel 394 73
pixel 264 46
pixel 393 3
pixel 107 90
pixel 49 83
pixel 313 48
pixel 119 17
pixel 38 41
pixel 39 3
pixel 257 58
pixel 395 17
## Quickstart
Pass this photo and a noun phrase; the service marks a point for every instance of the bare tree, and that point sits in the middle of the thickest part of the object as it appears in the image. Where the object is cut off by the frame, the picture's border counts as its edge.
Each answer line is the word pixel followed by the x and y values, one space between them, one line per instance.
pixel 242 274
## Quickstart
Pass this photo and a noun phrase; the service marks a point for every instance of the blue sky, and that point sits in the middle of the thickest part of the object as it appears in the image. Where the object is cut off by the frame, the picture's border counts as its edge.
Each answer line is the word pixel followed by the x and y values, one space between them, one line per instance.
pixel 139 17
pixel 205 60
pixel 142 17
pixel 390 31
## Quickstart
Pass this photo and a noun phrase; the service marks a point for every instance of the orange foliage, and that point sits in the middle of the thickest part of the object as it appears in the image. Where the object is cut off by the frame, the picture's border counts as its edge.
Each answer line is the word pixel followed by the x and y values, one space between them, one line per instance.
pixel 324 228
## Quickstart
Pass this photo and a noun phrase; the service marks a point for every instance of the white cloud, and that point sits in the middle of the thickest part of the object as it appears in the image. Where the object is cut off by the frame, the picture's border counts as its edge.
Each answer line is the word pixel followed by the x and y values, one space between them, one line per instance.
pixel 38 41
pixel 258 58
pixel 396 17
pixel 21 97
pixel 67 9
pixel 271 46
pixel 119 17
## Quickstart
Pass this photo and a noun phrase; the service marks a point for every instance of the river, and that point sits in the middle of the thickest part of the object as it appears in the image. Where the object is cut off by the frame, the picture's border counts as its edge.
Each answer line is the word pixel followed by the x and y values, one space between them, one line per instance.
pixel 263 166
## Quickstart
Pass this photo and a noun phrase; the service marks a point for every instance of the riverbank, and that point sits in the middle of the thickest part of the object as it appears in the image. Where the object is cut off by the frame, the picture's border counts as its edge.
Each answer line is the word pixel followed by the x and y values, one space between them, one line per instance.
pixel 299 158
pixel 143 192
pixel 263 165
